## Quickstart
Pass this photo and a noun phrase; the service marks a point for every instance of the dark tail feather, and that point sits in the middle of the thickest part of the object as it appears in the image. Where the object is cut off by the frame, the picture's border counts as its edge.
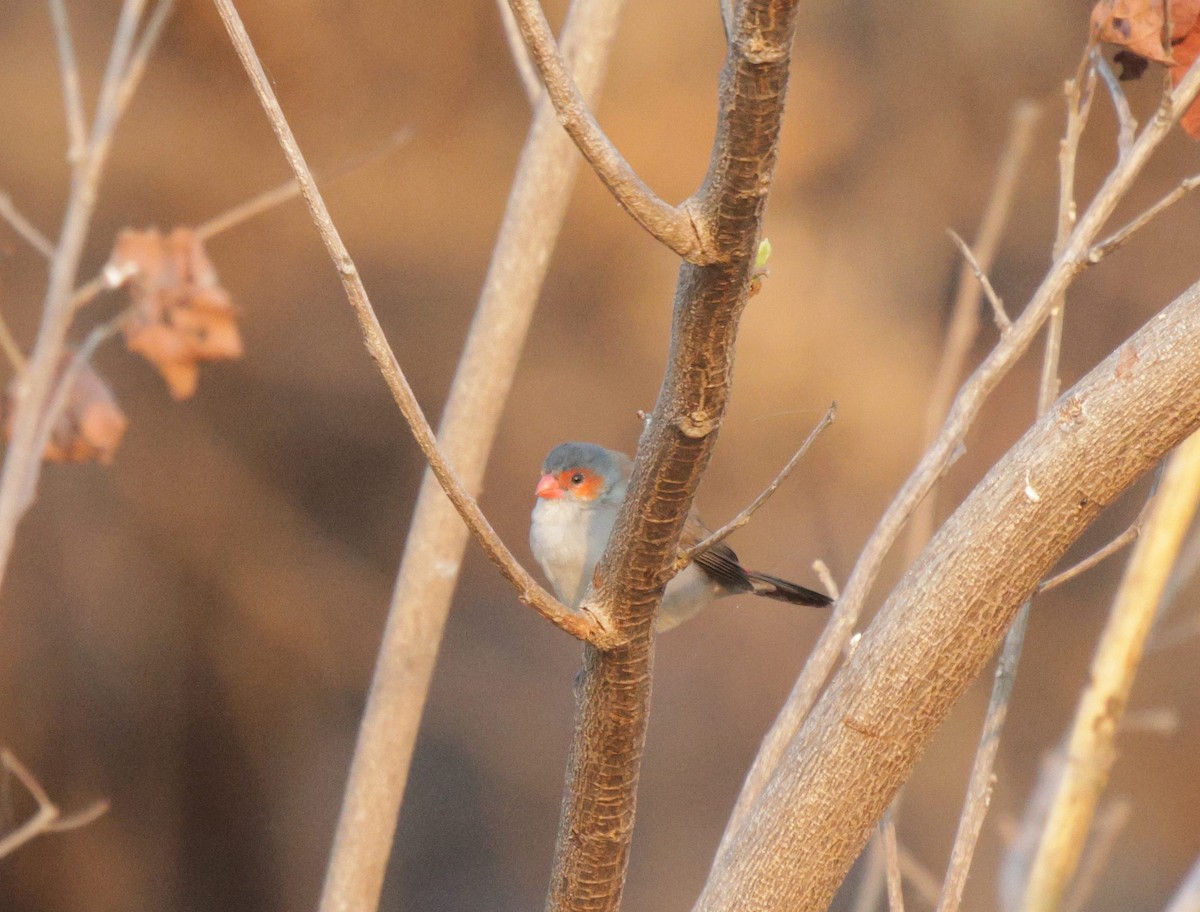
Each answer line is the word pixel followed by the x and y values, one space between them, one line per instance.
pixel 775 588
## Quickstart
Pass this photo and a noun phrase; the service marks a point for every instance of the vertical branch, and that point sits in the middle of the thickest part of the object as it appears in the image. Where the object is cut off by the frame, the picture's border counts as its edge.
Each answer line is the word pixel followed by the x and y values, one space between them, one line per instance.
pixel 437 538
pixel 68 68
pixel 23 460
pixel 1090 748
pixel 600 795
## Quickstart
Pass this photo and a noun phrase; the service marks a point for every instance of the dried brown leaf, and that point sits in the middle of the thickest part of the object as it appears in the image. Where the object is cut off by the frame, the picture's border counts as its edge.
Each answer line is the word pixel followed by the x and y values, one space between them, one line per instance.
pixel 182 316
pixel 91 424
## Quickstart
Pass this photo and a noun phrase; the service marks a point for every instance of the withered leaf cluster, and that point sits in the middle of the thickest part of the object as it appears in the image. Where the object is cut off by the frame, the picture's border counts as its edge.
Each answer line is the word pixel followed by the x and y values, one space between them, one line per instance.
pixel 1139 28
pixel 179 317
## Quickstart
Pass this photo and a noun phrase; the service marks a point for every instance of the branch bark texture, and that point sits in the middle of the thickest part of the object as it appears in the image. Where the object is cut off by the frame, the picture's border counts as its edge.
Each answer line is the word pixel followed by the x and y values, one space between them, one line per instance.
pixel 600 795
pixel 947 617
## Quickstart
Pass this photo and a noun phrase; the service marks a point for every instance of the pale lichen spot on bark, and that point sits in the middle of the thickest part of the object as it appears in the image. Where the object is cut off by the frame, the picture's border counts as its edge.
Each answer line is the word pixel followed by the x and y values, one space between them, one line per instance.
pixel 696 425
pixel 758 49
pixel 1070 415
pixel 1031 493
pixel 1126 362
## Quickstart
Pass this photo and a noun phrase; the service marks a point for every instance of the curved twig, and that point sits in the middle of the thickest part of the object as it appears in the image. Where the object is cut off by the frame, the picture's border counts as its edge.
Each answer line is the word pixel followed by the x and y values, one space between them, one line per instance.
pixel 586 627
pixel 673 225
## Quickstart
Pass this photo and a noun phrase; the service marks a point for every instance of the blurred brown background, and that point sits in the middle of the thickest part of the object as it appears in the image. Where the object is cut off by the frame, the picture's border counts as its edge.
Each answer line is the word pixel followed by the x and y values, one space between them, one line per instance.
pixel 190 631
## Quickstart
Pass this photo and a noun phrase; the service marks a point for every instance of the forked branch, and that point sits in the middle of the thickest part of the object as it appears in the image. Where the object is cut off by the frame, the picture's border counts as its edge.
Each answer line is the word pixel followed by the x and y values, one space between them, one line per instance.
pixel 582 625
pixel 943 623
pixel 675 226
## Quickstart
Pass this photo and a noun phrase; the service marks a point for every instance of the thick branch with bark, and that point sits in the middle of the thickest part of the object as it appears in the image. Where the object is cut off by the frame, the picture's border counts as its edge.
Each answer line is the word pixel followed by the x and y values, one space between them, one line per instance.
pixel 942 624
pixel 598 808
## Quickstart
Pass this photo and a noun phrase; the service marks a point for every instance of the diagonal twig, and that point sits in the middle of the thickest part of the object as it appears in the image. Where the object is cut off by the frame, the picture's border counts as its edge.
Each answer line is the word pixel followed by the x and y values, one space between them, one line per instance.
pixel 1119 237
pixel 673 225
pixel 1122 541
pixel 25 228
pixel 688 554
pixel 520 54
pixel 68 68
pixel 1003 323
pixel 290 189
pixel 964 315
pixel 47 818
pixel 581 624
pixel 1126 125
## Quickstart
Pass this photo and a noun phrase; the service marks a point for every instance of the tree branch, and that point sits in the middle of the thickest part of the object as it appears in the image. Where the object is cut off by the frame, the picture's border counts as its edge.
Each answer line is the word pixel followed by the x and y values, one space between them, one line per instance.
pixel 1003 323
pixel 47 818
pixel 1118 238
pixel 964 314
pixel 68 69
pixel 600 794
pixel 674 226
pixel 25 228
pixel 940 454
pixel 1090 750
pixel 583 625
pixel 520 54
pixel 437 537
pixel 23 459
pixel 940 626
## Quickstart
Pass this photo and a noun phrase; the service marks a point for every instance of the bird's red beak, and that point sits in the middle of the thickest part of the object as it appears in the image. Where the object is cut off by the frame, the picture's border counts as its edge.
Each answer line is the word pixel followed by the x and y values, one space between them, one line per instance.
pixel 548 488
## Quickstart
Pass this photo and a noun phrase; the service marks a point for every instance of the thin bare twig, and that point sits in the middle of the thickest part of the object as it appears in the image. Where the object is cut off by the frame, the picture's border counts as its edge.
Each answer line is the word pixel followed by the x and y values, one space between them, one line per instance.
pixel 1109 824
pixel 243 212
pixel 290 189
pixel 578 624
pixel 135 68
pixel 674 226
pixel 688 554
pixel 1126 124
pixel 1003 323
pixel 964 314
pixel 25 228
pixel 68 68
pixel 1122 541
pixel 891 855
pixel 1115 240
pixel 23 458
pixel 47 818
pixel 1122 644
pixel 520 54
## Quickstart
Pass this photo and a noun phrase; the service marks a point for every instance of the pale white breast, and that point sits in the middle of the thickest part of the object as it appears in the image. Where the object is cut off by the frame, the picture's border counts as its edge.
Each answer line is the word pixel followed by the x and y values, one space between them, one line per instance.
pixel 567 539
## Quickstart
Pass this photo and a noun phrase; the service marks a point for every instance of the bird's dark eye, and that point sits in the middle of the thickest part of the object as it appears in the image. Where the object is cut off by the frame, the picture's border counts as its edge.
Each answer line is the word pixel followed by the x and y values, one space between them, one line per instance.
pixel 577 478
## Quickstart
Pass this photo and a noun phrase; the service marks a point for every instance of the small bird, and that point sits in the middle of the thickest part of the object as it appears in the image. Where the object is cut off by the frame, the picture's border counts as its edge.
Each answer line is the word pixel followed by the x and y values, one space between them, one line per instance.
pixel 582 488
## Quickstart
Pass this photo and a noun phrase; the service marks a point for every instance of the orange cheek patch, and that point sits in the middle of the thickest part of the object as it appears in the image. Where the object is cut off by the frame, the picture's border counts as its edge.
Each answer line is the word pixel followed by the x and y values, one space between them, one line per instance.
pixel 588 489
